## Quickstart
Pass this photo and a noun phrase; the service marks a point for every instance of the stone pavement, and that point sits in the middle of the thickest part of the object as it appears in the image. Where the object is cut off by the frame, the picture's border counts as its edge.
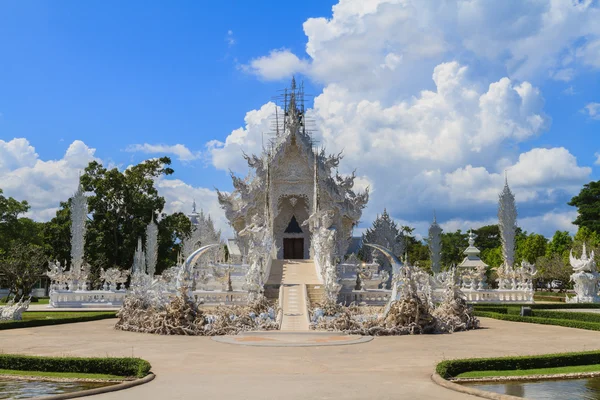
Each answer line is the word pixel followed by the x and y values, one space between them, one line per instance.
pixel 384 368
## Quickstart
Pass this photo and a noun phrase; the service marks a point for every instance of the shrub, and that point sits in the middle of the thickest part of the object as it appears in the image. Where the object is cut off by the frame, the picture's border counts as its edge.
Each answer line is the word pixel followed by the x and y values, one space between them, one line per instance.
pixel 576 316
pixel 451 368
pixel 569 323
pixel 28 323
pixel 130 367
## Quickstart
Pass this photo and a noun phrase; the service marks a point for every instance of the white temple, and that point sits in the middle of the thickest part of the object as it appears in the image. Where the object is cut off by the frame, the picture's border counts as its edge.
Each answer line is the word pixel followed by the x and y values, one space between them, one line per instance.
pixel 292 205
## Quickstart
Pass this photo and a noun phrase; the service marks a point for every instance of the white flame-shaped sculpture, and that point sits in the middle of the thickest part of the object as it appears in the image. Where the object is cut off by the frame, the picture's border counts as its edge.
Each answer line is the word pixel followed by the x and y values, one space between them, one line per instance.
pixel 507 222
pixel 151 247
pixel 585 277
pixel 435 246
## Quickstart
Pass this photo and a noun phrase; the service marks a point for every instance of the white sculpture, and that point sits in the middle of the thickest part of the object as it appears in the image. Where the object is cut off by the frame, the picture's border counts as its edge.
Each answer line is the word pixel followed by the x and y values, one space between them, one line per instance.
pixel 259 255
pixel 290 178
pixel 58 276
pixel 79 211
pixel 507 222
pixel 151 247
pixel 14 311
pixel 585 277
pixel 113 278
pixel 435 246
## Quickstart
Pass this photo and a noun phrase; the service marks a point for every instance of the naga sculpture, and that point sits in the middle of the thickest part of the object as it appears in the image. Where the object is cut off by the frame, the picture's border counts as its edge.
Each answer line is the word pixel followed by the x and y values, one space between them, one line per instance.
pixel 585 277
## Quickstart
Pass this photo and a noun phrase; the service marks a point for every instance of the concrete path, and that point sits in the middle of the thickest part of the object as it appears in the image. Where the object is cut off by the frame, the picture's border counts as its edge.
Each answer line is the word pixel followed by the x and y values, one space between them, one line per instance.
pixel 385 368
pixel 293 303
pixel 296 274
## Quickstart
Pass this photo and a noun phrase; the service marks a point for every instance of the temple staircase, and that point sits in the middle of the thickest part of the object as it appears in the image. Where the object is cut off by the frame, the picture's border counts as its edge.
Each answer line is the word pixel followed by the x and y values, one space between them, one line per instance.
pixel 296 277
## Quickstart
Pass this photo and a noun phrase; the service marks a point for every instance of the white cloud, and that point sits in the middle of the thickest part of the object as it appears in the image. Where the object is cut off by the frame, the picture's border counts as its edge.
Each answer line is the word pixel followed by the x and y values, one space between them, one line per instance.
pixel 44 184
pixel 278 64
pixel 592 110
pixel 249 139
pixel 373 46
pixel 550 222
pixel 179 150
pixel 230 39
pixel 179 197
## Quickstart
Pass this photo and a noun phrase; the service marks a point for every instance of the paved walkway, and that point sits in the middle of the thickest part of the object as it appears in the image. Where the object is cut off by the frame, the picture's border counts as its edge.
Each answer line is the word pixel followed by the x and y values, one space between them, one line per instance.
pixel 295 314
pixel 385 368
pixel 296 274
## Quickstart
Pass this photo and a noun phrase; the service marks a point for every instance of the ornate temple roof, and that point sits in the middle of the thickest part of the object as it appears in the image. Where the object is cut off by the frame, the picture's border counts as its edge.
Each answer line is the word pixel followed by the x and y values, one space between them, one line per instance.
pixel 472 259
pixel 291 135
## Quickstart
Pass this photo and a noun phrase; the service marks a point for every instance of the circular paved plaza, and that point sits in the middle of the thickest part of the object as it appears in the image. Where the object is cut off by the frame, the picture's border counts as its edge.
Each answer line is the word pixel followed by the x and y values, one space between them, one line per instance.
pixel 384 368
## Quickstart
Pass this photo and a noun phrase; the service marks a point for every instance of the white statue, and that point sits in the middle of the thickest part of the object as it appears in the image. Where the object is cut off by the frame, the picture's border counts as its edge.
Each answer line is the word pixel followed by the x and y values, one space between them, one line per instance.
pixel 259 254
pixel 14 311
pixel 113 278
pixel 585 277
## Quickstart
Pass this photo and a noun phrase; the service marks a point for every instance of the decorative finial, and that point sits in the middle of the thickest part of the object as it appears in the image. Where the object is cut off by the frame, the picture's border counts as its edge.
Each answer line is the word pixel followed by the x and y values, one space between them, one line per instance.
pixel 471 238
pixel 293 82
pixel 194 206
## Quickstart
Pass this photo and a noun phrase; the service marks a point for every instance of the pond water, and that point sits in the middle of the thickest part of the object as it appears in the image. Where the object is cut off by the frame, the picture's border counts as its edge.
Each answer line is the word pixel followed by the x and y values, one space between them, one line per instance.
pixel 568 389
pixel 22 389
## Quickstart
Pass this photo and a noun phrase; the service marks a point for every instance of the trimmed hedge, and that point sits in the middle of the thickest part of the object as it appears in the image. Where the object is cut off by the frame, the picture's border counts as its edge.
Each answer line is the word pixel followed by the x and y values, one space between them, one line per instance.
pixel 94 316
pixel 127 367
pixel 576 316
pixel 556 306
pixel 569 323
pixel 451 368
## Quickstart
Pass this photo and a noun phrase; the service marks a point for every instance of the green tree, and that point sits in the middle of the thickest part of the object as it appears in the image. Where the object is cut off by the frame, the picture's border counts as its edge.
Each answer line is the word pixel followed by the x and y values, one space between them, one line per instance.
pixel 492 257
pixel 453 245
pixel 22 267
pixel 532 247
pixel 488 237
pixel 588 206
pixel 57 234
pixel 121 204
pixel 10 209
pixel 172 229
pixel 553 267
pixel 561 243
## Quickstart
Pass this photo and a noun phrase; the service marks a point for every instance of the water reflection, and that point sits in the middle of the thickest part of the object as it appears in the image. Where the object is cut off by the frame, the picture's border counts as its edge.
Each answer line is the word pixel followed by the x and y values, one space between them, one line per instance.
pixel 21 389
pixel 569 389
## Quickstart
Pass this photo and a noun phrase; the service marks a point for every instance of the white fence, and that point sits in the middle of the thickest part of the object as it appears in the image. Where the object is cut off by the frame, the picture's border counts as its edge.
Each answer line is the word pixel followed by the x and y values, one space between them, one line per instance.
pixel 209 297
pixel 87 298
pixel 379 297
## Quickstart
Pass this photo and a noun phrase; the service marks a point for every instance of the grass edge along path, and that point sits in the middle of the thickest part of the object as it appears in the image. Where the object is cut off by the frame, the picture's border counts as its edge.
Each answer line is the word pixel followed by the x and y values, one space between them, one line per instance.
pixel 449 369
pixel 62 375
pixel 536 371
pixel 125 367
pixel 545 314
pixel 43 318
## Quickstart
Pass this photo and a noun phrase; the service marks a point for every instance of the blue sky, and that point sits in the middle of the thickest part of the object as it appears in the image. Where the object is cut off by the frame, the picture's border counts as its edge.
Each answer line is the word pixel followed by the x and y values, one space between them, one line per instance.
pixel 128 78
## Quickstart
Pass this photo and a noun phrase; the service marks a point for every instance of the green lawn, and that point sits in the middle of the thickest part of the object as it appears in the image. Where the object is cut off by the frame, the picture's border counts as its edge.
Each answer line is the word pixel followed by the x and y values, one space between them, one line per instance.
pixel 42 318
pixel 47 315
pixel 43 300
pixel 538 371
pixel 59 374
pixel 553 294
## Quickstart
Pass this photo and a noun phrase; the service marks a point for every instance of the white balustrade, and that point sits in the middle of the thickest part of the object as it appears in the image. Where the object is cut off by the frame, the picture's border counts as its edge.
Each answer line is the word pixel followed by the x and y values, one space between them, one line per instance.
pixel 87 298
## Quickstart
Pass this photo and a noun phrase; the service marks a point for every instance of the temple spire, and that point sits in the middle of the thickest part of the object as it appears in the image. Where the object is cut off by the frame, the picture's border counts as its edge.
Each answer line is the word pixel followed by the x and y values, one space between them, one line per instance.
pixel 435 245
pixel 507 222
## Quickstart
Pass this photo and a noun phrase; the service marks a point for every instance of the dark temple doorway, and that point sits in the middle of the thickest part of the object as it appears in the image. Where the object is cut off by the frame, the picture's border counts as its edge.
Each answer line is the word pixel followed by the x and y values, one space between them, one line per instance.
pixel 293 248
